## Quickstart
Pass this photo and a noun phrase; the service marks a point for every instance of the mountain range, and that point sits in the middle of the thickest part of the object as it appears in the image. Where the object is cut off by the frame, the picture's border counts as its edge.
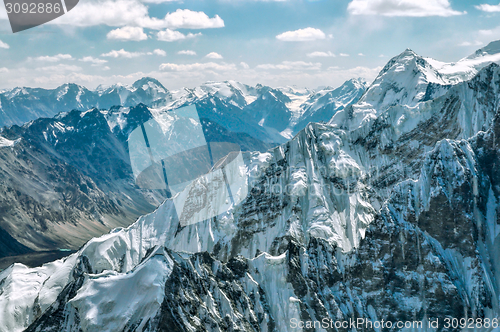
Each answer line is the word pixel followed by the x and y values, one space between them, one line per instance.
pixel 68 178
pixel 270 114
pixel 388 211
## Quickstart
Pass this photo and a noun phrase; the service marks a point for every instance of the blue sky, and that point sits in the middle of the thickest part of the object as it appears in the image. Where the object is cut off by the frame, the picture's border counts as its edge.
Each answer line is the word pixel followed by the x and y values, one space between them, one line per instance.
pixel 289 42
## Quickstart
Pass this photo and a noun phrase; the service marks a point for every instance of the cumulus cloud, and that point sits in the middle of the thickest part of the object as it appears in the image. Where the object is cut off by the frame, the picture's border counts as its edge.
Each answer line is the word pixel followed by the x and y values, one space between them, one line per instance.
pixel 120 13
pixel 414 8
pixel 94 61
pixel 489 8
pixel 53 58
pixel 4 70
pixel 307 34
pixel 213 55
pixel 172 35
pixel 291 65
pixel 4 45
pixel 128 33
pixel 188 19
pixel 122 54
pixel 159 52
pixel 344 54
pixel 196 67
pixel 186 52
pixel 244 65
pixel 321 54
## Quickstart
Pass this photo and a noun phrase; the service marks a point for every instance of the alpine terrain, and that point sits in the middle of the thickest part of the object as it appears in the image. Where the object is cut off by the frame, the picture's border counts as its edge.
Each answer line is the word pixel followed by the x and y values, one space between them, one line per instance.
pixel 387 211
pixel 68 178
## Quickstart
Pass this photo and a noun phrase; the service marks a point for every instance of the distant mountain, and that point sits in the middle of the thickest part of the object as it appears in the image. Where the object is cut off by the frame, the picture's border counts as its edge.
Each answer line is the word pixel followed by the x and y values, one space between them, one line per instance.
pixel 20 105
pixel 271 115
pixel 323 104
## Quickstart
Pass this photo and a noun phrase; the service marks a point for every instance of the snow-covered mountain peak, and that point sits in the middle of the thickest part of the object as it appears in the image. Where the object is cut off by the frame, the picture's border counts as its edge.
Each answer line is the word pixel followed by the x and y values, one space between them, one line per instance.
pixel 358 82
pixel 408 80
pixel 17 91
pixel 492 48
pixel 103 88
pixel 295 90
pixel 403 81
pixel 148 81
pixel 240 94
pixel 147 84
pixel 468 67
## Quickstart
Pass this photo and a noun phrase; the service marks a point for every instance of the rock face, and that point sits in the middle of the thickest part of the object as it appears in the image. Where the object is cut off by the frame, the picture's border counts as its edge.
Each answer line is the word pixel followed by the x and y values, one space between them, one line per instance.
pixel 388 212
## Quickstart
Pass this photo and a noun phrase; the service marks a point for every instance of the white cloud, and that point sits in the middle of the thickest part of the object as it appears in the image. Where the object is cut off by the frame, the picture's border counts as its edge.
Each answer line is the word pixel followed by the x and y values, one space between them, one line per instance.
pixel 53 58
pixel 4 45
pixel 127 33
pixel 344 54
pixel 120 13
pixel 122 54
pixel 188 19
pixel 196 67
pixel 94 61
pixel 172 35
pixel 159 52
pixel 307 34
pixel 213 55
pixel 414 8
pixel 4 70
pixel 486 32
pixel 361 54
pixel 244 65
pixel 106 68
pixel 321 54
pixel 186 52
pixel 466 43
pixel 489 8
pixel 59 68
pixel 292 65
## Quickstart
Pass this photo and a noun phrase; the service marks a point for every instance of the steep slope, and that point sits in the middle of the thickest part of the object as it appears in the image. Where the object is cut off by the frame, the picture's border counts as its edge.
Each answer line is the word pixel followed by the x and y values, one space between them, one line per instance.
pixel 67 179
pixel 323 104
pixel 426 246
pixel 468 67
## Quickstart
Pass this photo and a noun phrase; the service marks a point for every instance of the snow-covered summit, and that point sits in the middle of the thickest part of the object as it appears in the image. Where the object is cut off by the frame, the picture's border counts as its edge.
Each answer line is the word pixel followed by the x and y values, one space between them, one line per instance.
pixel 409 79
pixel 469 66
